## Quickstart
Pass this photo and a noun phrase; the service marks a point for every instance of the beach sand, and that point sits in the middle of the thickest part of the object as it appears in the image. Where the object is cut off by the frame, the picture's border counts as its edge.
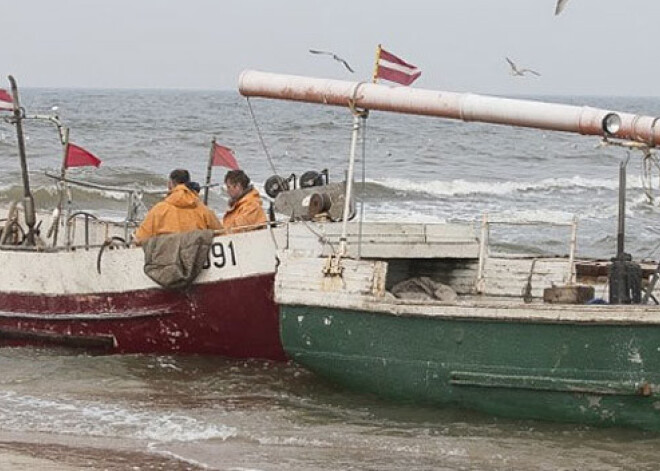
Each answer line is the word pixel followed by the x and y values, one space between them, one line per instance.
pixel 16 456
pixel 18 461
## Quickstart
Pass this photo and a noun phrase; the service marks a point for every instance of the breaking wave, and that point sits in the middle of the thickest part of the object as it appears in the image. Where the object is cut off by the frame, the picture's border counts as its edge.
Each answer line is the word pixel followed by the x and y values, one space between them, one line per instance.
pixel 465 187
pixel 73 417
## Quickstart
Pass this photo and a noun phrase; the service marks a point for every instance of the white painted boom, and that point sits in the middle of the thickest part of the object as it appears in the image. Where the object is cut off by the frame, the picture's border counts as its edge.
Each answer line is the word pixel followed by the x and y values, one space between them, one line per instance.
pixel 463 106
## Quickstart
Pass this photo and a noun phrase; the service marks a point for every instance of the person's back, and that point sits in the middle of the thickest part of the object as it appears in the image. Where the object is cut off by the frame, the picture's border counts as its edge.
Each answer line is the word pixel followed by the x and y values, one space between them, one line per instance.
pixel 180 211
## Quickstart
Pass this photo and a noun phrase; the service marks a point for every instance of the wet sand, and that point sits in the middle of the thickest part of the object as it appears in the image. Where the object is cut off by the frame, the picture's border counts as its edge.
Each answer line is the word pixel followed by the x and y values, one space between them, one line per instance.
pixel 21 456
pixel 17 460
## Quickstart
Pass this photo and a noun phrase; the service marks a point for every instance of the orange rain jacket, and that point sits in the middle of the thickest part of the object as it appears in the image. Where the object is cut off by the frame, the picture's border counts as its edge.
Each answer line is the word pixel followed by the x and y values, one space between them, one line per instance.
pixel 180 211
pixel 247 211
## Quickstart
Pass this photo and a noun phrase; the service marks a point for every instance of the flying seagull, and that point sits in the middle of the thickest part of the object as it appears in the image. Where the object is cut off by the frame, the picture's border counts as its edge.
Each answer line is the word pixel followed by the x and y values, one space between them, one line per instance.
pixel 560 6
pixel 335 57
pixel 520 72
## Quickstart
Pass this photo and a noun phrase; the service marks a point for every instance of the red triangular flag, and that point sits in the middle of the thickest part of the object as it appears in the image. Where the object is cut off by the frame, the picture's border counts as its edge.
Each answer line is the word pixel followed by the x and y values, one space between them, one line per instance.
pixel 78 157
pixel 6 101
pixel 223 157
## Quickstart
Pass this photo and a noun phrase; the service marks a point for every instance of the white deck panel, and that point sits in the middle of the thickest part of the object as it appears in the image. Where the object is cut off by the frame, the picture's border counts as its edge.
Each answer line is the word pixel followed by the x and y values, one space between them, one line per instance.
pixel 382 240
pixel 122 269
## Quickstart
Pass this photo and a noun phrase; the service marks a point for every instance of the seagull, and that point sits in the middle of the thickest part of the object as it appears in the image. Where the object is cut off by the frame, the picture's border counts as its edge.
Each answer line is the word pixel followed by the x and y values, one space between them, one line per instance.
pixel 520 72
pixel 560 6
pixel 335 57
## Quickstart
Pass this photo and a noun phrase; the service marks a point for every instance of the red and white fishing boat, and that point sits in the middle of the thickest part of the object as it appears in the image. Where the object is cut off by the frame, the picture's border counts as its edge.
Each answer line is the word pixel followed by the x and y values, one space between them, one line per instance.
pixel 59 297
pixel 90 289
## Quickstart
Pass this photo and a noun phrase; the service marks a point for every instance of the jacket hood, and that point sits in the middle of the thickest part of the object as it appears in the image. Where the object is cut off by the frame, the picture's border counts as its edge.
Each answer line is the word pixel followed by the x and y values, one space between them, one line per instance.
pixel 182 197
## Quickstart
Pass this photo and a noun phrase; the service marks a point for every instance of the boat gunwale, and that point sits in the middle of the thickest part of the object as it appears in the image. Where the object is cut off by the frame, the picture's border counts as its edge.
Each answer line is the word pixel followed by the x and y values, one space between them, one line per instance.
pixel 494 311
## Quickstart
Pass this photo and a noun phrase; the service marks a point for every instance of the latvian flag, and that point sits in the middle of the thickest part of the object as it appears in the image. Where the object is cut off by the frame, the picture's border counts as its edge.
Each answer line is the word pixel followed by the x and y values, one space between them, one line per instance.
pixel 391 68
pixel 6 101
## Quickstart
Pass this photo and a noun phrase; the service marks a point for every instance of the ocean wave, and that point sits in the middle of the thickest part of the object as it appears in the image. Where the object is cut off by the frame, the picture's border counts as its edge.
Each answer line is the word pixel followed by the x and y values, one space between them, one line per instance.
pixel 74 417
pixel 466 187
pixel 411 215
pixel 293 441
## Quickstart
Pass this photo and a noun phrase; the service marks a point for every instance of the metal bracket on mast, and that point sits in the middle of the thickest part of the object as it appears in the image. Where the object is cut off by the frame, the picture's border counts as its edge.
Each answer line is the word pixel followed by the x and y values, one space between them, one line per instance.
pixel 361 113
pixel 649 161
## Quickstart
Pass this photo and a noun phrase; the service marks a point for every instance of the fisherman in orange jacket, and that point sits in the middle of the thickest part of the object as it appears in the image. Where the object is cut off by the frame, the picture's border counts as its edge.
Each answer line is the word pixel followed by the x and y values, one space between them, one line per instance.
pixel 245 212
pixel 180 211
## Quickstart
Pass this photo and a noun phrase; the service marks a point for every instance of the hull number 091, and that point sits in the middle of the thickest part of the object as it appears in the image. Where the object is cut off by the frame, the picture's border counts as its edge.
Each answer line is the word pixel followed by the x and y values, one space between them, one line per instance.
pixel 221 255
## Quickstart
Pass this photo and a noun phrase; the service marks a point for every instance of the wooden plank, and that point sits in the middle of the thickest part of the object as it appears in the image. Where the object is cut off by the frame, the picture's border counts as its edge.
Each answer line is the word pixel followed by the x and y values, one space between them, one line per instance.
pixel 383 240
pixel 405 249
pixel 509 277
pixel 306 274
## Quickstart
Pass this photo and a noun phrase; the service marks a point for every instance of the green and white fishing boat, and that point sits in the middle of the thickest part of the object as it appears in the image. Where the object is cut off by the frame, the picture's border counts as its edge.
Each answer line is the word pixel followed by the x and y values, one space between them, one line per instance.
pixel 431 314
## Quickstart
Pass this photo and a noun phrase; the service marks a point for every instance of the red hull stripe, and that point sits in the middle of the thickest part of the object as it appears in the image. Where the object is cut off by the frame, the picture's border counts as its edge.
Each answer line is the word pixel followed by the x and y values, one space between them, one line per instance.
pixel 236 318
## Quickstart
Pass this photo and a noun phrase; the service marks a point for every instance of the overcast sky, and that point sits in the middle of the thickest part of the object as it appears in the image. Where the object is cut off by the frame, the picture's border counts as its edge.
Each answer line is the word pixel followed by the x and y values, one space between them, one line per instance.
pixel 594 47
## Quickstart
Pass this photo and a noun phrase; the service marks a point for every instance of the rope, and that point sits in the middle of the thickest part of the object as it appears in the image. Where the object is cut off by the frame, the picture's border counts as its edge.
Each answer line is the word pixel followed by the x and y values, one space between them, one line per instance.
pixel 261 139
pixel 321 237
pixel 649 161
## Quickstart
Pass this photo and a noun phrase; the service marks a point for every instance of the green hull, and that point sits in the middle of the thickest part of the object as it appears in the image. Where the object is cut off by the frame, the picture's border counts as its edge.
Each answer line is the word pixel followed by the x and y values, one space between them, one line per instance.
pixel 592 373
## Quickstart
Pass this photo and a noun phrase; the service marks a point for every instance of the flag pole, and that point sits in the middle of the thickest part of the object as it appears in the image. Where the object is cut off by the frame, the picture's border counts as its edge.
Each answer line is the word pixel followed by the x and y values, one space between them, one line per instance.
pixel 62 186
pixel 209 169
pixel 65 146
pixel 28 200
pixel 375 76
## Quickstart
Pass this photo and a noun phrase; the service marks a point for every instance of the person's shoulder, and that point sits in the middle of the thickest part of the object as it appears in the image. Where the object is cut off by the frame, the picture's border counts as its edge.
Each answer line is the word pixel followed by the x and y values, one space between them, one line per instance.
pixel 161 206
pixel 254 194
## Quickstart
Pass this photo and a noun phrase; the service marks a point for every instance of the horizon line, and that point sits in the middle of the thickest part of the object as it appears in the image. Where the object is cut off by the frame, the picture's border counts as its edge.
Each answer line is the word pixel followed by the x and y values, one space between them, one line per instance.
pixel 183 89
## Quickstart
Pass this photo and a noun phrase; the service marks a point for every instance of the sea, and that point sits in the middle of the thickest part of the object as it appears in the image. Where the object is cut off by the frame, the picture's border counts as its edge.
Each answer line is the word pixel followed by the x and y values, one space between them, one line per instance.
pixel 151 412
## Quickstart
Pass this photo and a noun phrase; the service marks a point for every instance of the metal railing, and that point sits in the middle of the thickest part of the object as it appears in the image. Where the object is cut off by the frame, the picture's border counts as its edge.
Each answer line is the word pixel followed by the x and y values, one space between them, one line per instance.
pixel 133 205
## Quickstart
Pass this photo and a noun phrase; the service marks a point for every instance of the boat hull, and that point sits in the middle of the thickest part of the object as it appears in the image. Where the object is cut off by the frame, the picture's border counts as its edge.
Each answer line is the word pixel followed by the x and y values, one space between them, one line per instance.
pixel 234 318
pixel 103 300
pixel 581 372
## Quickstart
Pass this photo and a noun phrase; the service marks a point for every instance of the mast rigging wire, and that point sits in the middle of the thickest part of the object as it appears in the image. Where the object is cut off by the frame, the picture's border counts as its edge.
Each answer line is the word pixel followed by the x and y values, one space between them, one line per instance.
pixel 261 139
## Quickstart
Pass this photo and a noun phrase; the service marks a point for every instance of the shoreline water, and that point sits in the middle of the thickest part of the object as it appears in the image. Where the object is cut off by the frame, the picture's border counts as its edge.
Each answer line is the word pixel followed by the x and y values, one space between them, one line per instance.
pixel 16 456
pixel 29 452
